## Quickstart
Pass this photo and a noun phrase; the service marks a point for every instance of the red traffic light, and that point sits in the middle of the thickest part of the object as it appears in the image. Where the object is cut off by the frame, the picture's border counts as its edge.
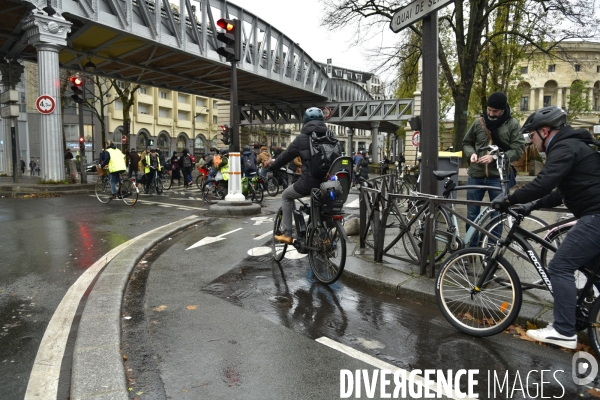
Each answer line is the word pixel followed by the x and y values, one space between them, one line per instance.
pixel 226 24
pixel 75 80
pixel 81 140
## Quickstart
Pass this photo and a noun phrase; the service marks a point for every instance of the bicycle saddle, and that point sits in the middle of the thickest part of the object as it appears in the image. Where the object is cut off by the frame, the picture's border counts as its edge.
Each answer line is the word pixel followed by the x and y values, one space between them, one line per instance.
pixel 441 175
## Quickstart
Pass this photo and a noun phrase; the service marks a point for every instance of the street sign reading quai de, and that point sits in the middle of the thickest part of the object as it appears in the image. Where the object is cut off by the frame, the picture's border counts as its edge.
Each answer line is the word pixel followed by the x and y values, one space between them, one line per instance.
pixel 413 12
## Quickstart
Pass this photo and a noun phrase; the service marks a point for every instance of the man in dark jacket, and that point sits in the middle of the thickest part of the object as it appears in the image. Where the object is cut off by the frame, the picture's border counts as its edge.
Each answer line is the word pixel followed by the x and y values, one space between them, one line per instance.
pixel 571 175
pixel 134 159
pixel 313 122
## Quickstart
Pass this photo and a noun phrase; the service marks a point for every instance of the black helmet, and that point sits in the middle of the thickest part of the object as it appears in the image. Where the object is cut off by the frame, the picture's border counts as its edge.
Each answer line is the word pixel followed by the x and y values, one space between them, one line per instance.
pixel 246 148
pixel 552 116
pixel 224 151
pixel 313 113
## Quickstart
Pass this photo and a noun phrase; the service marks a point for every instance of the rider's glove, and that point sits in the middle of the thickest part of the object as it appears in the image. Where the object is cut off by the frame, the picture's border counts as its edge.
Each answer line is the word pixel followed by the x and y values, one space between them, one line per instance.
pixel 500 203
pixel 271 167
pixel 527 208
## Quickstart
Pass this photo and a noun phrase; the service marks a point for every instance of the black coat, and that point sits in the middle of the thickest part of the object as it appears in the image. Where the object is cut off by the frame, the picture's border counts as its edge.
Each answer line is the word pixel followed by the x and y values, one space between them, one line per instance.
pixel 573 169
pixel 301 147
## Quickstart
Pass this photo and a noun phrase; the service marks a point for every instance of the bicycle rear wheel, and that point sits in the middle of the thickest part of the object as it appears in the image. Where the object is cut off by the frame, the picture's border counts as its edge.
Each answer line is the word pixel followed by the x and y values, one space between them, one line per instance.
pixel 129 192
pixel 478 313
pixel 200 180
pixel 594 327
pixel 272 186
pixel 210 193
pixel 169 182
pixel 103 191
pixel 328 260
pixel 278 248
pixel 258 193
pixel 441 227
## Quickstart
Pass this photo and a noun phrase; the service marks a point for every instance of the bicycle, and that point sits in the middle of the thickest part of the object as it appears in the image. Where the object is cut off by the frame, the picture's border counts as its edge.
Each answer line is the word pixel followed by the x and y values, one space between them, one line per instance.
pixel 156 184
pixel 126 190
pixel 252 187
pixel 323 237
pixel 272 185
pixel 479 292
pixel 201 179
pixel 214 190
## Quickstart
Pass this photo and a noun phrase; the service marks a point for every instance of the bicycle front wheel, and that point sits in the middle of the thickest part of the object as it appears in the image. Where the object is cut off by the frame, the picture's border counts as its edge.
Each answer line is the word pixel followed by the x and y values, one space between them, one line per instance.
pixel 129 192
pixel 483 312
pixel 210 193
pixel 441 227
pixel 278 248
pixel 168 183
pixel 159 185
pixel 272 186
pixel 103 192
pixel 200 179
pixel 258 194
pixel 327 250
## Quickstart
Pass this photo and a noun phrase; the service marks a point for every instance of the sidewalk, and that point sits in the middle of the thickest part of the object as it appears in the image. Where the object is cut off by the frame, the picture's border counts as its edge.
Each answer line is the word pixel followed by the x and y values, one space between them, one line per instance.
pixel 30 185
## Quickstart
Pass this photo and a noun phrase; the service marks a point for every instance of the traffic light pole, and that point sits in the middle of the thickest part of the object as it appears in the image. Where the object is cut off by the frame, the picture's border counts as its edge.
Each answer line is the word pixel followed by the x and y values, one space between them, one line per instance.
pixel 82 138
pixel 235 167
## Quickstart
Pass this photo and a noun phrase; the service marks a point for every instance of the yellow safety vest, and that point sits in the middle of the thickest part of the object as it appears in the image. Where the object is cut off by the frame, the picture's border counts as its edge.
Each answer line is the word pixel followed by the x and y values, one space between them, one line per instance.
pixel 147 168
pixel 117 160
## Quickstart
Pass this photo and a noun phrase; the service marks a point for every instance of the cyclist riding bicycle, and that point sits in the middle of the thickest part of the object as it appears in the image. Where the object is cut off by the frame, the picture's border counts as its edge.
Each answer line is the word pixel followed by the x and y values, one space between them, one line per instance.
pixel 571 175
pixel 115 160
pixel 313 122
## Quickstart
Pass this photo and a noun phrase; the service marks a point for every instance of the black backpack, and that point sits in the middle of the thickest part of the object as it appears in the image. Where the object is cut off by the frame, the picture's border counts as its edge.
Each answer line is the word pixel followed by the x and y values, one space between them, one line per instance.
pixel 187 162
pixel 249 164
pixel 323 152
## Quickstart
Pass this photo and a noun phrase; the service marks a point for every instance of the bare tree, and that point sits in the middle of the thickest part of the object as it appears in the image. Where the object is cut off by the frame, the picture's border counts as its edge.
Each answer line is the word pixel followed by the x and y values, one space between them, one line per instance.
pixel 469 23
pixel 98 97
pixel 126 93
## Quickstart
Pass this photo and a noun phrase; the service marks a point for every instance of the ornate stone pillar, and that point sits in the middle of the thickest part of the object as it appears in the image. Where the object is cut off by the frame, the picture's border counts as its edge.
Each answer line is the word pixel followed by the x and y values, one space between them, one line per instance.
pixel 541 98
pixel 567 97
pixel 559 97
pixel 375 148
pixel 48 34
pixel 12 71
pixel 531 105
pixel 590 97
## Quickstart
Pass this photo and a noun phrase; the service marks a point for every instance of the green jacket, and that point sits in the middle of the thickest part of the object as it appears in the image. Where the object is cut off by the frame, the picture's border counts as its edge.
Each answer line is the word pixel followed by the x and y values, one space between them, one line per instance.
pixel 477 138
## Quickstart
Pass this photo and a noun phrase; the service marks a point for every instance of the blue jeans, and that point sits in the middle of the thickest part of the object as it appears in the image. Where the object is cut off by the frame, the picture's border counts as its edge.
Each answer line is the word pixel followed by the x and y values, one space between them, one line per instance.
pixel 477 195
pixel 580 248
pixel 114 179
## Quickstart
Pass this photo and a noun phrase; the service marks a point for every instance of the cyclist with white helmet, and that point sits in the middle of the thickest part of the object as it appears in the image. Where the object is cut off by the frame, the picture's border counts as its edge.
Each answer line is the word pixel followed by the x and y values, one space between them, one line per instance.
pixel 571 175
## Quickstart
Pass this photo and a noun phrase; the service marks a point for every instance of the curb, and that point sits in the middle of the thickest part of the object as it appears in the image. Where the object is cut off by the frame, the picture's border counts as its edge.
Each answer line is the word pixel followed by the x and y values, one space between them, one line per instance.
pixel 98 370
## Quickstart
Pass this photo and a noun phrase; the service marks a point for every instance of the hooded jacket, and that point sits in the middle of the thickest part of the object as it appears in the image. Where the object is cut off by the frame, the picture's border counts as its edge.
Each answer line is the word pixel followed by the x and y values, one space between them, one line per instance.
pixel 571 175
pixel 301 147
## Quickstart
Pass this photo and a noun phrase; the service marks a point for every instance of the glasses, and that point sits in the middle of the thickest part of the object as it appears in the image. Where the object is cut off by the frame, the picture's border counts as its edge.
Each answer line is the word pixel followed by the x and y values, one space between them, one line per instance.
pixel 530 134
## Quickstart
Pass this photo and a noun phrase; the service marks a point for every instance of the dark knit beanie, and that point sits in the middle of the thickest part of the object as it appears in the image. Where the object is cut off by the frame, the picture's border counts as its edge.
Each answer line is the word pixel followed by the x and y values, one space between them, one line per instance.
pixel 497 100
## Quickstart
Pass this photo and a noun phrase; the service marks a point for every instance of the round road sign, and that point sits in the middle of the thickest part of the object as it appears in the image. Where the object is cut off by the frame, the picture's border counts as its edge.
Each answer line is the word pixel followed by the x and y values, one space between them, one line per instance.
pixel 326 112
pixel 45 104
pixel 416 139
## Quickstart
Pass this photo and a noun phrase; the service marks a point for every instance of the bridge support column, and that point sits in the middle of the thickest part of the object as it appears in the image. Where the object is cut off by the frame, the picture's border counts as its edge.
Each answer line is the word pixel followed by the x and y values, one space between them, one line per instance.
pixel 374 133
pixel 12 71
pixel 48 34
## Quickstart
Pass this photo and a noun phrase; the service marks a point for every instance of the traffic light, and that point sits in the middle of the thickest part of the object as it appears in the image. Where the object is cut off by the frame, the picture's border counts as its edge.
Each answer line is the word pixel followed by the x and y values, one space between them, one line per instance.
pixel 77 89
pixel 226 132
pixel 82 145
pixel 232 37
pixel 151 142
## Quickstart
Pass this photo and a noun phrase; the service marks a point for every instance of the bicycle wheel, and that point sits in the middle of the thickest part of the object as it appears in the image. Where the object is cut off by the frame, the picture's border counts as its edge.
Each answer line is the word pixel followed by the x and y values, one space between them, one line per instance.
pixel 158 184
pixel 200 180
pixel 478 313
pixel 278 247
pixel 169 182
pixel 441 227
pixel 258 194
pixel 594 327
pixel 129 192
pixel 328 260
pixel 556 237
pixel 516 256
pixel 210 193
pixel 272 186
pixel 103 191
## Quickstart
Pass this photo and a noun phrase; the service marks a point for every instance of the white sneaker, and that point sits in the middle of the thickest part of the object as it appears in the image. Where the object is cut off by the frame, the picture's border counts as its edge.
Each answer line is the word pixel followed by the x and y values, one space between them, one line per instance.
pixel 550 335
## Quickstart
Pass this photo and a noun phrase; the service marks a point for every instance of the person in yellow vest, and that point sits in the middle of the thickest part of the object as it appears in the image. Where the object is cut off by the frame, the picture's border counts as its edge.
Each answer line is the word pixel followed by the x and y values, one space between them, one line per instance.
pixel 151 164
pixel 116 165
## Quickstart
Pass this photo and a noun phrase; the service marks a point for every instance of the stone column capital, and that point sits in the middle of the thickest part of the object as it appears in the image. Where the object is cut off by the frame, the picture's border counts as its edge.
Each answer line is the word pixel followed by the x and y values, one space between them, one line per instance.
pixel 43 29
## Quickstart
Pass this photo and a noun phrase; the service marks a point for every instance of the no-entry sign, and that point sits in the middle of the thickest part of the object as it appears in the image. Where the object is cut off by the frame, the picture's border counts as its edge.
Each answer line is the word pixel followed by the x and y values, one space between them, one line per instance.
pixel 45 104
pixel 416 139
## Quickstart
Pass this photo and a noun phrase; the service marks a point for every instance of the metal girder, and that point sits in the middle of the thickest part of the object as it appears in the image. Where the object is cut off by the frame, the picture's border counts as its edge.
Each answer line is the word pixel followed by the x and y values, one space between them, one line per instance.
pixel 117 34
pixel 353 114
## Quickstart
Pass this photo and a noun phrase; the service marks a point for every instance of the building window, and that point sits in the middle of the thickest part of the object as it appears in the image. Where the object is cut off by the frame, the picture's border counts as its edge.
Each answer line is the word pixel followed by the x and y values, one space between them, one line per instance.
pixel 524 70
pixel 215 120
pixel 118 105
pixel 551 67
pixel 71 133
pixel 200 118
pixel 143 109
pixel 577 68
pixel 162 94
pixel 163 112
pixel 359 77
pixel 547 100
pixel 182 98
pixel 598 68
pixel 525 103
pixel 200 102
pixel 143 90
pixel 121 84
pixel 215 104
pixel 183 116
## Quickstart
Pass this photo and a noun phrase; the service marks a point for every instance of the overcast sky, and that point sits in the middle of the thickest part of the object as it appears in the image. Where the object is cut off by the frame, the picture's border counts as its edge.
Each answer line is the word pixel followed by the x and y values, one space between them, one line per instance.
pixel 300 21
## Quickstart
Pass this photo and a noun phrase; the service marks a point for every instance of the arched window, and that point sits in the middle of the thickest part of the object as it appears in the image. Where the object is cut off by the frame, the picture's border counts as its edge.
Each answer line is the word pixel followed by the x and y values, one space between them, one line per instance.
pixel 163 142
pixel 181 143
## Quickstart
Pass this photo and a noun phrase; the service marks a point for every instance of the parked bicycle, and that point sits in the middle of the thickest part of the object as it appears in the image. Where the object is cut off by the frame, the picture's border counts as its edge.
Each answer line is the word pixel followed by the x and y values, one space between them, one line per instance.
pixel 323 237
pixel 479 292
pixel 252 187
pixel 126 190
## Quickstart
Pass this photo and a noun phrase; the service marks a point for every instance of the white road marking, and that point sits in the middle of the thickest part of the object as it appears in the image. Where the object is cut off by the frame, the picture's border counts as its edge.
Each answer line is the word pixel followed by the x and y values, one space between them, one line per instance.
pixel 264 235
pixel 43 381
pixel 211 239
pixel 172 205
pixel 259 251
pixel 353 204
pixel 261 220
pixel 377 363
